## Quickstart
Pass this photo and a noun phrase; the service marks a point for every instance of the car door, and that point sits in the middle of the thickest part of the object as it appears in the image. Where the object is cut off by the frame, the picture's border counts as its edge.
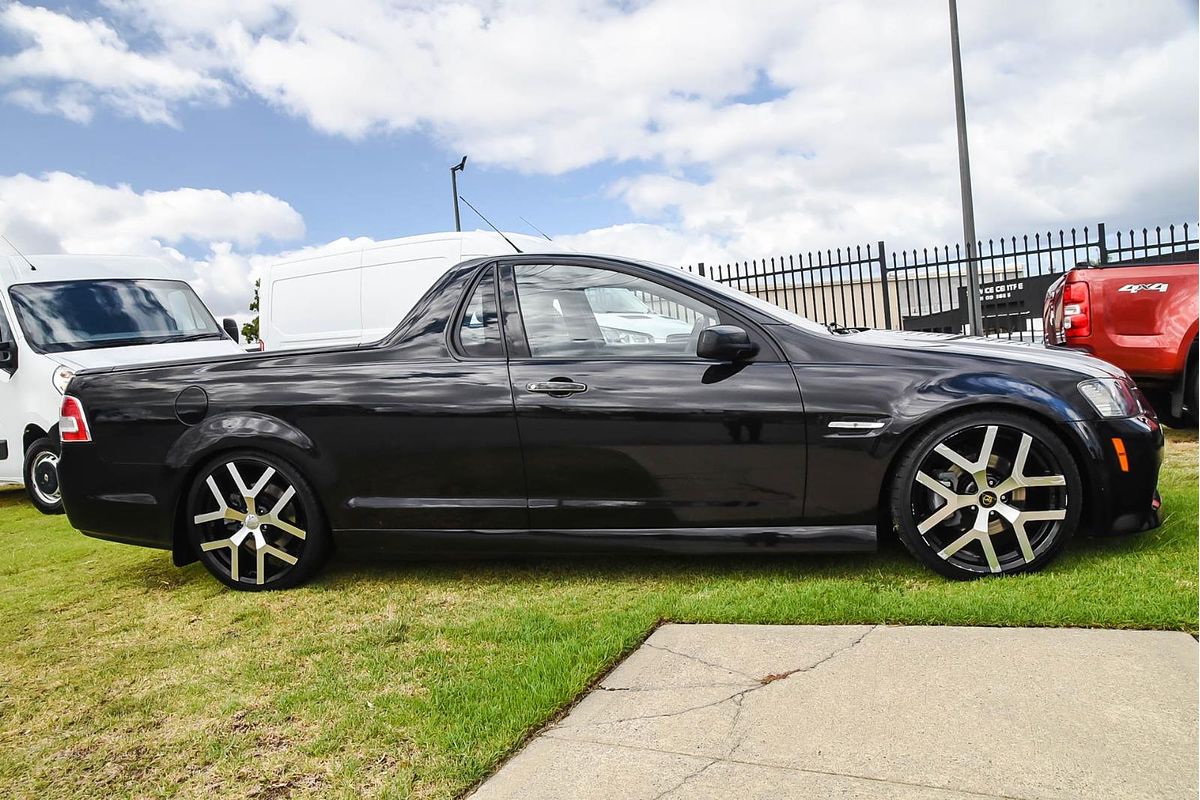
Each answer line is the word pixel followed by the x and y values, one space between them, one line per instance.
pixel 11 454
pixel 424 437
pixel 623 427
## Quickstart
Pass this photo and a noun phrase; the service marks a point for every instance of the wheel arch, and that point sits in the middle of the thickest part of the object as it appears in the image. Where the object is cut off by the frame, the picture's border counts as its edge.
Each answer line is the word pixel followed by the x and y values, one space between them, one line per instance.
pixel 229 433
pixel 1061 427
pixel 33 432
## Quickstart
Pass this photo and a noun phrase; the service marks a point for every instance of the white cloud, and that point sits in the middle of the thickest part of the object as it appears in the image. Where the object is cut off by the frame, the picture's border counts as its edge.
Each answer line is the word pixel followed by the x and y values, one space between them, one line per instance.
pixel 784 125
pixel 69 65
pixel 58 212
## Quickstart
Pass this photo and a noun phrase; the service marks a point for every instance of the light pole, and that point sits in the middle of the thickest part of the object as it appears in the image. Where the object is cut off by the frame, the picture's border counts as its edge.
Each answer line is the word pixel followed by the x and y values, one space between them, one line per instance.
pixel 457 168
pixel 974 307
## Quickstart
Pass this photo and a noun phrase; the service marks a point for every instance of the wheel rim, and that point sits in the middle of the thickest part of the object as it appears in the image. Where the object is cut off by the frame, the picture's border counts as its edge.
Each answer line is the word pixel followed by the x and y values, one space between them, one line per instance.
pixel 995 511
pixel 44 471
pixel 252 525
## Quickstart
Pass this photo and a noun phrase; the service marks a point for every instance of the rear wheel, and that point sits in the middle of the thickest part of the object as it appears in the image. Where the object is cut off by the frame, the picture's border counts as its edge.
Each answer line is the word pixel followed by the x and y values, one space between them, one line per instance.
pixel 1190 378
pixel 255 523
pixel 41 476
pixel 985 494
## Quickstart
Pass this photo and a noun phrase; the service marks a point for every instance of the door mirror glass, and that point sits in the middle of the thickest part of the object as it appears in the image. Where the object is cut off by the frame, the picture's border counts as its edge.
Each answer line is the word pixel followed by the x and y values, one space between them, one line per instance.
pixel 231 328
pixel 725 343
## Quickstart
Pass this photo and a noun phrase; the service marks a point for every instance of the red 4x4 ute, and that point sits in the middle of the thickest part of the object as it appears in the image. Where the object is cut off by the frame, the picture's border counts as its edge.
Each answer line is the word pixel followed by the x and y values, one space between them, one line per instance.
pixel 1140 316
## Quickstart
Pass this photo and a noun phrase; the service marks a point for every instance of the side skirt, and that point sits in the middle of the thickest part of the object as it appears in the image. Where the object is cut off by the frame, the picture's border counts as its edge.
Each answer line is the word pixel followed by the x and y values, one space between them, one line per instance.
pixel 803 539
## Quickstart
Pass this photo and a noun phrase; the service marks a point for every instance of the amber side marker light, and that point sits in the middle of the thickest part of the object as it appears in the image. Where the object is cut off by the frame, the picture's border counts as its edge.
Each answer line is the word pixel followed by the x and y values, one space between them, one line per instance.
pixel 1122 459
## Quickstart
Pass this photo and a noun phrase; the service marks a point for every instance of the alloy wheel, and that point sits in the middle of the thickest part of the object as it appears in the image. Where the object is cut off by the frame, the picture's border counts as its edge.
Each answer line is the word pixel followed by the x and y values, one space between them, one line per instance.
pixel 251 523
pixel 989 498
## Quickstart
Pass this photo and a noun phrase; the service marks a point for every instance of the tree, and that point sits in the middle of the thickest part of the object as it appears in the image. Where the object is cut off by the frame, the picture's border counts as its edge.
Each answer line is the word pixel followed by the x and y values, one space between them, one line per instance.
pixel 250 329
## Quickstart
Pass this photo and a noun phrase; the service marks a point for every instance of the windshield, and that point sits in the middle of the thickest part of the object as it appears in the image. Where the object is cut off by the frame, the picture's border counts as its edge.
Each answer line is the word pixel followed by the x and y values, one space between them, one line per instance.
pixel 770 309
pixel 614 300
pixel 83 315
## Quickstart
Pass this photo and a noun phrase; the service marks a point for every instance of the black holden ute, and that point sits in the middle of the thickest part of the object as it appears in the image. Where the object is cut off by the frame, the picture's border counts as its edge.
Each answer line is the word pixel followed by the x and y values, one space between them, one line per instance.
pixel 573 401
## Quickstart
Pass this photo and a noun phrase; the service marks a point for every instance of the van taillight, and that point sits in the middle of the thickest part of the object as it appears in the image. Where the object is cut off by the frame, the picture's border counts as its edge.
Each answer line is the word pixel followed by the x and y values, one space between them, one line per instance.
pixel 72 424
pixel 1077 319
pixel 261 345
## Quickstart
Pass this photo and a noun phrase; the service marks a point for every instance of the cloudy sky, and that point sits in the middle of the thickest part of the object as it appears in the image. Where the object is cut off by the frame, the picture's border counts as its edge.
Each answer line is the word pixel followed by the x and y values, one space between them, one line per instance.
pixel 223 133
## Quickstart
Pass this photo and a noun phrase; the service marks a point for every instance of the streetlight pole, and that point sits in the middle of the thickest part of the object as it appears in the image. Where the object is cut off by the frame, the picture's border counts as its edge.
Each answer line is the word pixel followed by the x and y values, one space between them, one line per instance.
pixel 457 168
pixel 974 307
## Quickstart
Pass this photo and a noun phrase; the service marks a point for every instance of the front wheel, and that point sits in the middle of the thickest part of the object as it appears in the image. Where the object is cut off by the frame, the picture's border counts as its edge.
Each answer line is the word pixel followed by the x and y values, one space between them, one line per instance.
pixel 987 493
pixel 255 523
pixel 41 476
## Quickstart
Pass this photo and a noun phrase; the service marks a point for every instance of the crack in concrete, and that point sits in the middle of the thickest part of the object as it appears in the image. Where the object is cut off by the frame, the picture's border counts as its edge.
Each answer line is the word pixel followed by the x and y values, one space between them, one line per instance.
pixel 671 688
pixel 713 760
pixel 686 780
pixel 699 660
pixel 782 675
pixel 738 696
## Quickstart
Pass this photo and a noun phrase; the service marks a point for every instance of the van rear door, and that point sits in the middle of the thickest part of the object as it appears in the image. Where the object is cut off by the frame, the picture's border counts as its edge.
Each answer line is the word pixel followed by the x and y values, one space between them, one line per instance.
pixel 316 302
pixel 394 278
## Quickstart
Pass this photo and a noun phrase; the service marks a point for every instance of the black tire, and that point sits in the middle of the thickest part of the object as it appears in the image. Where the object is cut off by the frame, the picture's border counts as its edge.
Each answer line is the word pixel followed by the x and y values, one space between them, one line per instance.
pixel 955 511
pixel 227 537
pixel 41 476
pixel 1190 410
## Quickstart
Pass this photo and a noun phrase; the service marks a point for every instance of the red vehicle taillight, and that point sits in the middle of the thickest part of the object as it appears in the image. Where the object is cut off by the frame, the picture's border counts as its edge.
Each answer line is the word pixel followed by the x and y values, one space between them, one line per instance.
pixel 261 345
pixel 72 424
pixel 1077 319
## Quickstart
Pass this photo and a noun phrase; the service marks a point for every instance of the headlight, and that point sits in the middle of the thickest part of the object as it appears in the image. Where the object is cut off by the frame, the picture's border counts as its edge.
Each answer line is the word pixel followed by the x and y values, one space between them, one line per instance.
pixel 620 336
pixel 62 376
pixel 1111 397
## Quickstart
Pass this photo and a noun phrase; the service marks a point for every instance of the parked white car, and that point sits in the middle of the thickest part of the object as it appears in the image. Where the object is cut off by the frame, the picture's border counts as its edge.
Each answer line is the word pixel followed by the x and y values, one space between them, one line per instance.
pixel 359 295
pixel 66 313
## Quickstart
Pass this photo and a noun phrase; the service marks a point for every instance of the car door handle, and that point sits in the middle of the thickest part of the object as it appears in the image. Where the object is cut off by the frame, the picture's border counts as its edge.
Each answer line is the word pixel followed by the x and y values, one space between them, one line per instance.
pixel 556 388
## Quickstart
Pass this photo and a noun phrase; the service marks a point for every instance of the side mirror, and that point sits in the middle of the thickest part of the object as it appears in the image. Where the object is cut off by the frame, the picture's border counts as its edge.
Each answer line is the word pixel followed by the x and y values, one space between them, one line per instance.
pixel 8 355
pixel 725 343
pixel 231 327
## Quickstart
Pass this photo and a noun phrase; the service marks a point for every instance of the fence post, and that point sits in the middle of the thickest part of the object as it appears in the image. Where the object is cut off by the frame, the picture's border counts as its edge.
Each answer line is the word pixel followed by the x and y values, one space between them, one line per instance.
pixel 883 287
pixel 1103 243
pixel 700 267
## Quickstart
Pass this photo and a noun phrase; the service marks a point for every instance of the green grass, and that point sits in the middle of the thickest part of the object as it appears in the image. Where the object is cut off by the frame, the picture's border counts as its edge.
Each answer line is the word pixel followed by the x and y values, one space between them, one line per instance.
pixel 122 676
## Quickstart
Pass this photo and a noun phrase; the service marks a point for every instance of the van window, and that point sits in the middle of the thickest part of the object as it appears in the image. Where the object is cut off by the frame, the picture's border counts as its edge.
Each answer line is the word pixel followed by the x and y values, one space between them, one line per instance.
pixel 83 315
pixel 479 329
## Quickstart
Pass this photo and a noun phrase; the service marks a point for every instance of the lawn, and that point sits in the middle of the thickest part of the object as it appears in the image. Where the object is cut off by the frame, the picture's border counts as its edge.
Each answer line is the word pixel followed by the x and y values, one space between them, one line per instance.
pixel 122 676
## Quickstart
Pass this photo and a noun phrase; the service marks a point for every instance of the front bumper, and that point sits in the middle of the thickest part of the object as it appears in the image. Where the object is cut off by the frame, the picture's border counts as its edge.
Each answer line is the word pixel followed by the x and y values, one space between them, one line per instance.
pixel 1121 495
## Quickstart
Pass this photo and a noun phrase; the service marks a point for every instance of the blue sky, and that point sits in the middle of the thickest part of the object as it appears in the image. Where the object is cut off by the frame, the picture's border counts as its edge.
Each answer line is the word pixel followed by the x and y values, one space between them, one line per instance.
pixel 380 187
pixel 224 133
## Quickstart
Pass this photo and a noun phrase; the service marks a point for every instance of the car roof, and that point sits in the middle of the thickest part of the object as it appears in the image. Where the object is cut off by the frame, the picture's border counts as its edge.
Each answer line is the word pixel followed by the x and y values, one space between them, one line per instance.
pixel 59 267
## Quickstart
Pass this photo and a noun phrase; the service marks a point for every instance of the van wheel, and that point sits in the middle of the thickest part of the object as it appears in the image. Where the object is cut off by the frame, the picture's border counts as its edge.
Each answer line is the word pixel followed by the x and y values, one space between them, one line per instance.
pixel 41 476
pixel 255 523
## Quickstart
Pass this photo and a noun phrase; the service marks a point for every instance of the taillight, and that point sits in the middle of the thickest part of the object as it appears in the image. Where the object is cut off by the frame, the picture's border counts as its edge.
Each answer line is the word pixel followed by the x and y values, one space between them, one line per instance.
pixel 72 423
pixel 261 345
pixel 1077 319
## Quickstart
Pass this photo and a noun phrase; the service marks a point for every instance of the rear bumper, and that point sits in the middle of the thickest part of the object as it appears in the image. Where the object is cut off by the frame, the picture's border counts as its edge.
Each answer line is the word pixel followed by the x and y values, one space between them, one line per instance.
pixel 1121 498
pixel 128 503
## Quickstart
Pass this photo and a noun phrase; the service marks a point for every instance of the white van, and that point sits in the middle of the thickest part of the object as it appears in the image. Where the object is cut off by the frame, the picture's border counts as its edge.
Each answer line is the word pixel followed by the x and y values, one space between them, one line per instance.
pixel 63 313
pixel 359 295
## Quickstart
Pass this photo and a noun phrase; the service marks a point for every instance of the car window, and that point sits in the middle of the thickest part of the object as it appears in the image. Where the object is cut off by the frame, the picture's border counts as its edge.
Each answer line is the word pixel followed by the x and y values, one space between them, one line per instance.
pixel 479 329
pixel 601 313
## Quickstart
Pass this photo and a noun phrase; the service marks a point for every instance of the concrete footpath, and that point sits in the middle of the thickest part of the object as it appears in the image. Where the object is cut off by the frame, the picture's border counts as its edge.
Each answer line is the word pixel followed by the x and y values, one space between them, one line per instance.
pixel 753 712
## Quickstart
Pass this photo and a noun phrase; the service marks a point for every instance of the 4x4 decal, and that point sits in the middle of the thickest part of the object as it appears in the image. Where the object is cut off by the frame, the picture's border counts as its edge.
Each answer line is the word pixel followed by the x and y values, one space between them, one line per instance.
pixel 1134 288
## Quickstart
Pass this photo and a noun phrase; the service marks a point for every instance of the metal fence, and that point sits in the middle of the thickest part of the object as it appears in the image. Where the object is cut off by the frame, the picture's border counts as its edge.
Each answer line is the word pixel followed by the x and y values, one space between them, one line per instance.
pixel 926 290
